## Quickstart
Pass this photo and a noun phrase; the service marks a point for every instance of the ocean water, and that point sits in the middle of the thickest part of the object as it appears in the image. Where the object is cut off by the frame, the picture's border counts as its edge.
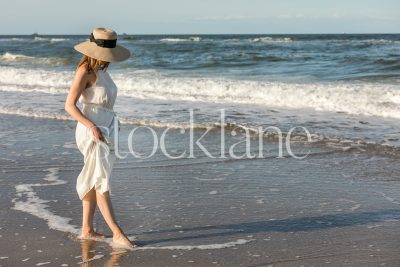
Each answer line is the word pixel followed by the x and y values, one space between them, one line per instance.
pixel 343 88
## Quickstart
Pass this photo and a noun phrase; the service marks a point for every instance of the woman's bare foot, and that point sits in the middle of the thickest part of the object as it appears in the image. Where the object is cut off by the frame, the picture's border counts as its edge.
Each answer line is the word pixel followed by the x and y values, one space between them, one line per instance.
pixel 121 240
pixel 90 234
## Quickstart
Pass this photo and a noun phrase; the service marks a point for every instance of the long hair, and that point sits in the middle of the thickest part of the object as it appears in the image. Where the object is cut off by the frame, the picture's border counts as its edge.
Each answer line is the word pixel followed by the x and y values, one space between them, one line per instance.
pixel 93 64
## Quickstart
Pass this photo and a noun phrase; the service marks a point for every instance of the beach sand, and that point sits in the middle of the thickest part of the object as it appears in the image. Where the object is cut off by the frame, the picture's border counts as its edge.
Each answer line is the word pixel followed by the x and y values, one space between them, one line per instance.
pixel 334 208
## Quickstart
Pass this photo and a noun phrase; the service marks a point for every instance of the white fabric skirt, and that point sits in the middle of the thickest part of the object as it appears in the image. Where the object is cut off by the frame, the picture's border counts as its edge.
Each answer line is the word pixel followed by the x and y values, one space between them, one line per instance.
pixel 98 156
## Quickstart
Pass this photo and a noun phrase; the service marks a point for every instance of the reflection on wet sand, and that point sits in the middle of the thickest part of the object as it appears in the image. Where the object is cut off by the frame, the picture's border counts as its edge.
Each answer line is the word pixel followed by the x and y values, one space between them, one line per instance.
pixel 89 256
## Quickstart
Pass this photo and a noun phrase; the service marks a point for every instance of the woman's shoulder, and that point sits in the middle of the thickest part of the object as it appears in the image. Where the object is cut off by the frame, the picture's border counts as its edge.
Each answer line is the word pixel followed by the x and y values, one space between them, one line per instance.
pixel 83 73
pixel 83 69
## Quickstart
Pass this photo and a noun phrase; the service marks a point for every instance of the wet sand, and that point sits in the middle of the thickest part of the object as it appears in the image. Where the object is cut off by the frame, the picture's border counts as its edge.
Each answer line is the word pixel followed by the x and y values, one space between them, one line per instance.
pixel 333 208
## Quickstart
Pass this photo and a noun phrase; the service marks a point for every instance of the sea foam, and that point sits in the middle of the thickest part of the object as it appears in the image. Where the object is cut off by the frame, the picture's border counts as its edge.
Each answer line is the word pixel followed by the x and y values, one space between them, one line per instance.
pixel 27 201
pixel 24 59
pixel 362 98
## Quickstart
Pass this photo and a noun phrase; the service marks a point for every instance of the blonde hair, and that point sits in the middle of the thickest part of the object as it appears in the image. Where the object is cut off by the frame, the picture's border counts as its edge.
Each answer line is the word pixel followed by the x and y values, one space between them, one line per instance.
pixel 92 64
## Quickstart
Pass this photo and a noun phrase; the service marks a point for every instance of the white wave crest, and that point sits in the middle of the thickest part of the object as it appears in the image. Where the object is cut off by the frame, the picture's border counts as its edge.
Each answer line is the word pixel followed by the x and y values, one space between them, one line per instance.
pixel 34 39
pixel 28 80
pixel 270 39
pixel 14 57
pixel 48 39
pixel 19 58
pixel 55 40
pixel 265 39
pixel 190 39
pixel 350 97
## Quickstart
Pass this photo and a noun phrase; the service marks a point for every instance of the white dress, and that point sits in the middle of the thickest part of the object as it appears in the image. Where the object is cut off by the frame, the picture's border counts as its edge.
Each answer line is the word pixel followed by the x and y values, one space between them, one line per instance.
pixel 99 157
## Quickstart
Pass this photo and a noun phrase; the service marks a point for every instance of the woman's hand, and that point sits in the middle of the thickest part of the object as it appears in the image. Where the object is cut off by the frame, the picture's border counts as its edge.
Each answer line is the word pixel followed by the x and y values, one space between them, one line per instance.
pixel 97 134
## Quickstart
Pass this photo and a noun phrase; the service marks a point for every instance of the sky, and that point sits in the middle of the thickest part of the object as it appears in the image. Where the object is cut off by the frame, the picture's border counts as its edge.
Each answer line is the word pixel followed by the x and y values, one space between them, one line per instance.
pixel 200 16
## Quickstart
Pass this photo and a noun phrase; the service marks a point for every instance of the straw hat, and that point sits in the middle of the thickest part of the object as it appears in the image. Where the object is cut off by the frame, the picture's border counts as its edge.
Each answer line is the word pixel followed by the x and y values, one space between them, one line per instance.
pixel 102 45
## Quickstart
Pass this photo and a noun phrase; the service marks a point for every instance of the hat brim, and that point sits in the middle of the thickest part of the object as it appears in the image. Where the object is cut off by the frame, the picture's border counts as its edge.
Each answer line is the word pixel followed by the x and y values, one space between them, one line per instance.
pixel 91 49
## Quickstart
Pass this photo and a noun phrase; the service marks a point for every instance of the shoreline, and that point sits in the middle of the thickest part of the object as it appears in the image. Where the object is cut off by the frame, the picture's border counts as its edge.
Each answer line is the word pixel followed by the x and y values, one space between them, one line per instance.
pixel 334 207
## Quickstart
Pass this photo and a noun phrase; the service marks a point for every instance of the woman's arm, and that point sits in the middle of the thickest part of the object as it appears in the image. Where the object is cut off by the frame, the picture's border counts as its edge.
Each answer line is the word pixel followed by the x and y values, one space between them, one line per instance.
pixel 78 85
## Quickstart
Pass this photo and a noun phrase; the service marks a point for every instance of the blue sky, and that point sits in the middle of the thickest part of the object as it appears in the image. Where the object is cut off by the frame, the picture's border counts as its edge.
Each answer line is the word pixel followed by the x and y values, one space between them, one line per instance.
pixel 201 16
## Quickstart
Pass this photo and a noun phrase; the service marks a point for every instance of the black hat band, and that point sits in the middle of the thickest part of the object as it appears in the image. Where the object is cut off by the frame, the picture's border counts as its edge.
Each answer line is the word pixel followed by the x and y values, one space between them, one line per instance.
pixel 104 42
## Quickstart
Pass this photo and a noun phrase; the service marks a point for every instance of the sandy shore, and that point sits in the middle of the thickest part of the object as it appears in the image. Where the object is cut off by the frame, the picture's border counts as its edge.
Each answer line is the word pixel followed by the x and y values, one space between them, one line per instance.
pixel 332 208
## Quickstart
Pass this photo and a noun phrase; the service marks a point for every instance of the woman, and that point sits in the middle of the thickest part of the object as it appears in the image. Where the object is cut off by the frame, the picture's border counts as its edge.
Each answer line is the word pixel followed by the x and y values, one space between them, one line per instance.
pixel 94 88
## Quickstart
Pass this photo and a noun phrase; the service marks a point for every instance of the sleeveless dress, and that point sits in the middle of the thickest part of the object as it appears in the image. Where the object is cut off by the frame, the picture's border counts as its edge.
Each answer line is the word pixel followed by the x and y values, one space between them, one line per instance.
pixel 99 157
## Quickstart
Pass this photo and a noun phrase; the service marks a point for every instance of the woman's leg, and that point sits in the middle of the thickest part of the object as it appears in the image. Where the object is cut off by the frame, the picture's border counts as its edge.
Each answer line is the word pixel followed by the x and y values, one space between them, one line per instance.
pixel 88 208
pixel 105 206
